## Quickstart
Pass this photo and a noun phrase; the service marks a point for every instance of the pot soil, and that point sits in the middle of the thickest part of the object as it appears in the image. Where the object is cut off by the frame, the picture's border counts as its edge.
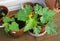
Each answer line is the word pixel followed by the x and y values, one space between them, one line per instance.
pixel 21 27
pixel 43 32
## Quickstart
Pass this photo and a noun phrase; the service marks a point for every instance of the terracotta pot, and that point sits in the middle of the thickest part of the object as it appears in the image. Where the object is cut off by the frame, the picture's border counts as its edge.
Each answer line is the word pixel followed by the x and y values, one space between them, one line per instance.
pixel 21 27
pixel 58 4
pixel 43 32
pixel 15 34
pixel 51 4
pixel 5 10
pixel 29 3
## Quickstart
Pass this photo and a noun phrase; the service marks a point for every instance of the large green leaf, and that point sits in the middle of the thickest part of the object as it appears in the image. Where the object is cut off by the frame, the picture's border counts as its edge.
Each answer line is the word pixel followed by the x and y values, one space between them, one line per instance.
pixel 43 11
pixel 51 13
pixel 47 15
pixel 20 15
pixel 51 28
pixel 6 19
pixel 30 25
pixel 43 20
pixel 6 25
pixel 23 14
pixel 37 30
pixel 37 8
pixel 14 26
pixel 27 9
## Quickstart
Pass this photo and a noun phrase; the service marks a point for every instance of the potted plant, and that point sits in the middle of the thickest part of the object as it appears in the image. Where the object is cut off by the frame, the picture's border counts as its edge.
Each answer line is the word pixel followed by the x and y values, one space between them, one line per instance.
pixel 16 25
pixel 3 11
pixel 12 27
pixel 41 22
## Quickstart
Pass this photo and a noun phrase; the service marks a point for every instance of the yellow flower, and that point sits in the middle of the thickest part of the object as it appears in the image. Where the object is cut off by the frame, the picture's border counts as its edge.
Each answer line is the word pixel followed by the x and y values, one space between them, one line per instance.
pixel 30 15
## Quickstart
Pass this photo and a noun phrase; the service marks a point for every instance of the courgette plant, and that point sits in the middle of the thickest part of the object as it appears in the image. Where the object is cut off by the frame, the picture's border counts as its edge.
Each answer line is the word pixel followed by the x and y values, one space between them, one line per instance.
pixel 22 15
pixel 46 17
pixel 10 24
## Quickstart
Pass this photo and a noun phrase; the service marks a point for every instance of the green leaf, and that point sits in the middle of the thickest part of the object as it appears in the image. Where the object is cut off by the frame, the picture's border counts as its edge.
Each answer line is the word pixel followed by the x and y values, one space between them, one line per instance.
pixel 40 11
pixel 23 14
pixel 45 9
pixel 51 28
pixel 6 19
pixel 28 6
pixel 43 20
pixel 37 30
pixel 30 25
pixel 37 8
pixel 47 15
pixel 51 13
pixel 28 9
pixel 14 26
pixel 6 25
pixel 3 13
pixel 13 19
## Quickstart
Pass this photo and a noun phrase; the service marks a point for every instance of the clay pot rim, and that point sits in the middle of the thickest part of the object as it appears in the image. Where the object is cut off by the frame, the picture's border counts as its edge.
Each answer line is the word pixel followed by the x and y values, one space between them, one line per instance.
pixel 1 6
pixel 28 3
pixel 41 34
pixel 33 32
pixel 15 34
pixel 31 3
pixel 41 29
pixel 6 9
pixel 17 31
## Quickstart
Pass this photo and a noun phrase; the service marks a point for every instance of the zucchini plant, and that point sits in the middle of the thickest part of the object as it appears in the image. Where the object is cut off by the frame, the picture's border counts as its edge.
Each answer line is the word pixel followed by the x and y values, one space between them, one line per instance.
pixel 10 24
pixel 22 15
pixel 42 16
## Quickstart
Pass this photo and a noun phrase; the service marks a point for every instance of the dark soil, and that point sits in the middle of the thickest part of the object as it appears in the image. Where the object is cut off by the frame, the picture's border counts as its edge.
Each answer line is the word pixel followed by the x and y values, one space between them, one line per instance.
pixel 39 4
pixel 2 11
pixel 21 23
